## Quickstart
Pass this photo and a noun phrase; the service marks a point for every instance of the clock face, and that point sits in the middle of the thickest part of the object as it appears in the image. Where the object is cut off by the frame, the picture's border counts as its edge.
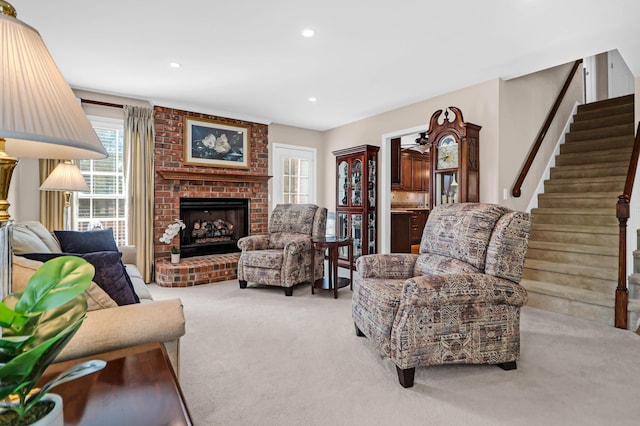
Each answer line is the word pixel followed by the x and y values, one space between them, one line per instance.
pixel 447 152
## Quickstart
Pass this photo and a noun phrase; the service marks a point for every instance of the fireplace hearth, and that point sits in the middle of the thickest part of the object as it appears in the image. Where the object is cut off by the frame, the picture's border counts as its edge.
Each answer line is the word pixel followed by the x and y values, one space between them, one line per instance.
pixel 213 225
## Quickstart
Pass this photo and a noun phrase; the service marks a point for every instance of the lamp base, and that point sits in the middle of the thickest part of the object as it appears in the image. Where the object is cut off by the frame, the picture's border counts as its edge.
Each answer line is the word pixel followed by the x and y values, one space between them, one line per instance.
pixel 7 164
pixel 6 256
pixel 67 211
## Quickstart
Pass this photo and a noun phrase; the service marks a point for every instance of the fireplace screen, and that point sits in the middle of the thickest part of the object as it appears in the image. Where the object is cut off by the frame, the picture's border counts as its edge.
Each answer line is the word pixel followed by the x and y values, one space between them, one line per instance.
pixel 214 225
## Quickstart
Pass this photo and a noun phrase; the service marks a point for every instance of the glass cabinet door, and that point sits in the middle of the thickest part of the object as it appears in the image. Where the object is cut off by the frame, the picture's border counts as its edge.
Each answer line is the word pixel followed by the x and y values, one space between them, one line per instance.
pixel 342 231
pixel 371 232
pixel 356 183
pixel 356 234
pixel 343 183
pixel 371 190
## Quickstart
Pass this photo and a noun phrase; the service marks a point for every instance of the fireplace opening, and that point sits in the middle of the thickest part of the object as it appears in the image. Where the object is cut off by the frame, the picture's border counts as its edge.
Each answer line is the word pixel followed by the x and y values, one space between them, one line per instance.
pixel 213 225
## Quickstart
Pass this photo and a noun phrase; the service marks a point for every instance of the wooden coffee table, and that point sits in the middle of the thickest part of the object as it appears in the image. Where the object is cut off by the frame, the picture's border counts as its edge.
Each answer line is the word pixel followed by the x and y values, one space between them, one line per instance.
pixel 137 387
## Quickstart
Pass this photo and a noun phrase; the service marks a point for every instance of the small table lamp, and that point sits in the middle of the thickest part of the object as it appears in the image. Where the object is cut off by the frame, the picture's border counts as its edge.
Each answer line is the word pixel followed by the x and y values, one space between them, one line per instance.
pixel 66 177
pixel 40 117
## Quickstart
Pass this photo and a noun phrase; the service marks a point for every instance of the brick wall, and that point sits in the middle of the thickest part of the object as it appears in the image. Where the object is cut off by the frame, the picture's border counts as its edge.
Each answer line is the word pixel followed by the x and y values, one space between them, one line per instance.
pixel 168 154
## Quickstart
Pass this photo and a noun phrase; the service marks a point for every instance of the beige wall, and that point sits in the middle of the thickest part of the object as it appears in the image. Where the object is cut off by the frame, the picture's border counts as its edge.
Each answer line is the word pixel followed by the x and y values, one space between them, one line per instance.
pixel 524 105
pixel 510 113
pixel 479 105
pixel 288 135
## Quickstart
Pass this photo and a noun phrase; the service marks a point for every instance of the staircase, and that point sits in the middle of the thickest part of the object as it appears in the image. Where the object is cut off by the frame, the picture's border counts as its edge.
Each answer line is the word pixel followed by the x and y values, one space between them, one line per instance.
pixel 572 261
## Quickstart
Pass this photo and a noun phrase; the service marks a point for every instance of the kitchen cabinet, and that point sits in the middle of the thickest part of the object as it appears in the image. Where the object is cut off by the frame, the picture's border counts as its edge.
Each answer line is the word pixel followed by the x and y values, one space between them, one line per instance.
pixel 414 171
pixel 418 221
pixel 401 231
pixel 357 200
pixel 395 163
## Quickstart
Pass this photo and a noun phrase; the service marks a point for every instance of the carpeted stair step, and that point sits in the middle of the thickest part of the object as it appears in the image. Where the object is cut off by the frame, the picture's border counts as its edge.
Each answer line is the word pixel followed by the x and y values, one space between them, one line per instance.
pixel 583 114
pixel 597 200
pixel 580 303
pixel 582 185
pixel 577 254
pixel 613 168
pixel 571 263
pixel 634 286
pixel 577 216
pixel 600 132
pixel 625 141
pixel 602 121
pixel 569 275
pixel 591 235
pixel 606 103
pixel 597 157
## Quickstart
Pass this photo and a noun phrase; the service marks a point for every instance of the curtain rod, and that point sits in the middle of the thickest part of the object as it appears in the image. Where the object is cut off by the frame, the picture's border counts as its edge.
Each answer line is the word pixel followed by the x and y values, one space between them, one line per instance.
pixel 107 104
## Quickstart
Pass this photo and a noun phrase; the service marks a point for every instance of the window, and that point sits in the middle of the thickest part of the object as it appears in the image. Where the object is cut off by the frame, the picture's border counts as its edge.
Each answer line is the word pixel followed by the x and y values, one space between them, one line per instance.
pixel 105 205
pixel 294 174
pixel 296 180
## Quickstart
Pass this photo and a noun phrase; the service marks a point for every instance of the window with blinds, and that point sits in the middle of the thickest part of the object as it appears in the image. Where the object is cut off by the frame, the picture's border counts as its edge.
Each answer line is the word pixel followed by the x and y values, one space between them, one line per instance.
pixel 105 206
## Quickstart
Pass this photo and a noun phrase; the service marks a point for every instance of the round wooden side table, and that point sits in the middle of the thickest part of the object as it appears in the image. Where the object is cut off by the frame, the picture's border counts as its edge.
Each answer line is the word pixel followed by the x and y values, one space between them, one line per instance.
pixel 331 281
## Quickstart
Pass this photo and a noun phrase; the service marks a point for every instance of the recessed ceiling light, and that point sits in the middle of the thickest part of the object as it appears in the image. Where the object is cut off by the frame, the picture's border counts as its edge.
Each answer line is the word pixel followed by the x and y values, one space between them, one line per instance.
pixel 312 99
pixel 174 65
pixel 308 33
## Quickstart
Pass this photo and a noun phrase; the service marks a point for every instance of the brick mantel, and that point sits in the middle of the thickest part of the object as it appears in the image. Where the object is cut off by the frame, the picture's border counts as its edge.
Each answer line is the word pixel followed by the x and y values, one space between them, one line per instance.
pixel 181 175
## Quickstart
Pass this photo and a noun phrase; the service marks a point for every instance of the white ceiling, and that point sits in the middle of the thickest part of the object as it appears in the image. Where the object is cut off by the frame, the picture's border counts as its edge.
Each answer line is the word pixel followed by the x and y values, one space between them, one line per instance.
pixel 246 58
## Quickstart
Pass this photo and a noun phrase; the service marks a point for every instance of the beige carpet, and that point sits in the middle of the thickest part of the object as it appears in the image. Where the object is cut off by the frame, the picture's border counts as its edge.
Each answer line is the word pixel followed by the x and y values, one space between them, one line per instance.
pixel 256 357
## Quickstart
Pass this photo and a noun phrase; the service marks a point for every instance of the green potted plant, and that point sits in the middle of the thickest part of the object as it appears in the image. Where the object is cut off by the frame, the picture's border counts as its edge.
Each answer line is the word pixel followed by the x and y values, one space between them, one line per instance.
pixel 36 325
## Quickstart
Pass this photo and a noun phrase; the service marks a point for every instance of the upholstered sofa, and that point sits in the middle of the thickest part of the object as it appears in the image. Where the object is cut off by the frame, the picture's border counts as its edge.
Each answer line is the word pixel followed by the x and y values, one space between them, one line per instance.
pixel 107 326
pixel 283 257
pixel 458 301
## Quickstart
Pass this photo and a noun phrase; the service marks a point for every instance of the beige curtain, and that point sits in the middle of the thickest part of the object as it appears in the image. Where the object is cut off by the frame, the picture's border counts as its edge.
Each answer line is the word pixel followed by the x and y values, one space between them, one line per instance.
pixel 51 202
pixel 138 163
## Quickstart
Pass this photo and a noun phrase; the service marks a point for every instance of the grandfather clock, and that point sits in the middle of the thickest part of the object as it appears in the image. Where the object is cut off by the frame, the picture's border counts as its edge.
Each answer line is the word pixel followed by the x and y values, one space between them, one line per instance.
pixel 455 159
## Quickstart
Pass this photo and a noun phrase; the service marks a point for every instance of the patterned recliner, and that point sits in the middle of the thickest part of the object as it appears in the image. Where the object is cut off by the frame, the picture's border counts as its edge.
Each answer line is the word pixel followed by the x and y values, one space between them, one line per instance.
pixel 283 258
pixel 458 301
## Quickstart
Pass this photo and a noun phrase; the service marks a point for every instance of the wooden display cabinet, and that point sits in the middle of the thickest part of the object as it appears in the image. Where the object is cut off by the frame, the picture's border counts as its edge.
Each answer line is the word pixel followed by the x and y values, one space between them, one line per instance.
pixel 455 159
pixel 357 200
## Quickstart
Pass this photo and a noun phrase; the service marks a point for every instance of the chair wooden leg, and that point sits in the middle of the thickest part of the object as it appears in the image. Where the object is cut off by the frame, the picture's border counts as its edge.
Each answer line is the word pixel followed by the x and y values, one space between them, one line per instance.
pixel 511 365
pixel 405 376
pixel 243 283
pixel 358 332
pixel 288 291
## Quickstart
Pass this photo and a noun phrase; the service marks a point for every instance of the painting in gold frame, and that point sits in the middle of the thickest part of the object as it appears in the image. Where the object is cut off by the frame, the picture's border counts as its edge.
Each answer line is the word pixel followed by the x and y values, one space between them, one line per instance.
pixel 216 144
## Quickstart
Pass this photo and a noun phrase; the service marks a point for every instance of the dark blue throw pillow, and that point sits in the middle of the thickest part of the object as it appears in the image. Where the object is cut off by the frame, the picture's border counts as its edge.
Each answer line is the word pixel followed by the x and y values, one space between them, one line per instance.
pixel 86 241
pixel 110 275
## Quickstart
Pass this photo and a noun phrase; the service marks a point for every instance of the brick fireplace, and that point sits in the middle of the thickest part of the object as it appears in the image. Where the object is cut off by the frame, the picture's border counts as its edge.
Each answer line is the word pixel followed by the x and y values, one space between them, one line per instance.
pixel 175 180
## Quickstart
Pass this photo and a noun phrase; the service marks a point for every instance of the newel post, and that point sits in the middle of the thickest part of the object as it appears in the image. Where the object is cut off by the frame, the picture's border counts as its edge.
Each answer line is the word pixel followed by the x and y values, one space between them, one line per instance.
pixel 622 293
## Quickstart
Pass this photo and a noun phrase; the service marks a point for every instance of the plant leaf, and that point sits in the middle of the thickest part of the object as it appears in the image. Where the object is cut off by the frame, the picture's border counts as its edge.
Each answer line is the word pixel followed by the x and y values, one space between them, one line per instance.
pixel 24 370
pixel 72 373
pixel 55 283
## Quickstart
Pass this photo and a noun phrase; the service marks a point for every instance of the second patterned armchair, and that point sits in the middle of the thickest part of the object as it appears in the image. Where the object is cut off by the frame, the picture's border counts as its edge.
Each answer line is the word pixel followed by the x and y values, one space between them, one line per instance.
pixel 283 257
pixel 458 301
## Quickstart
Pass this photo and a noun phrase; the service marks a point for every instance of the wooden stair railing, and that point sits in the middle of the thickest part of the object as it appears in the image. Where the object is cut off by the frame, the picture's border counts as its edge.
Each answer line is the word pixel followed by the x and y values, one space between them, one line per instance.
pixel 517 186
pixel 622 213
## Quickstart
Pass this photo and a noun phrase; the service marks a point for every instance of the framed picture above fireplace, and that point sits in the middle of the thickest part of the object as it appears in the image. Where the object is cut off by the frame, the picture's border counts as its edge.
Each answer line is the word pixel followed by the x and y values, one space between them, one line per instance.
pixel 216 144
